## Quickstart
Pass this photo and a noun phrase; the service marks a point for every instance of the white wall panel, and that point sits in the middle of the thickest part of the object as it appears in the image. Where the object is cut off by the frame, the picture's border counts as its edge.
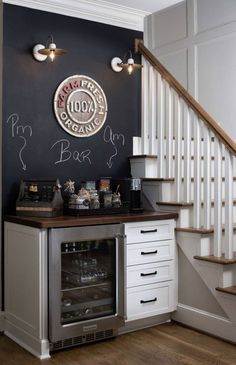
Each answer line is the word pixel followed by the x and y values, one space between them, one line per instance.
pixel 169 25
pixel 195 40
pixel 214 13
pixel 216 76
pixel 177 63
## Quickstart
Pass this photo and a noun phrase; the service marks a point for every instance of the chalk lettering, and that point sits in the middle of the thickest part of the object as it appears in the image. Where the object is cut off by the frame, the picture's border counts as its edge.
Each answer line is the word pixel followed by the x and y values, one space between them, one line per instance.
pixel 20 131
pixel 113 138
pixel 66 154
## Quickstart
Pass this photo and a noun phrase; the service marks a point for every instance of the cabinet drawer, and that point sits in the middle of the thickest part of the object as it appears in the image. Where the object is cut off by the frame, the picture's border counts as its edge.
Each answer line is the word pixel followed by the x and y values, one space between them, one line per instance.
pixel 150 273
pixel 149 252
pixel 149 231
pixel 150 300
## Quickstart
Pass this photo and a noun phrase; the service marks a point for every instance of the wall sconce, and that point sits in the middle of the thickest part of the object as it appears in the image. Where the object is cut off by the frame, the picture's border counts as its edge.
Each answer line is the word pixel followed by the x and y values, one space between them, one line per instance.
pixel 41 53
pixel 118 65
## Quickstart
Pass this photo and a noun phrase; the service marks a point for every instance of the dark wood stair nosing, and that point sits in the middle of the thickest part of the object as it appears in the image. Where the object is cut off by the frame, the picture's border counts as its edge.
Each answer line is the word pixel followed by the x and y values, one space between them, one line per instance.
pixel 216 260
pixel 194 230
pixel 175 203
pixel 228 290
pixel 142 156
pixel 161 179
pixel 178 204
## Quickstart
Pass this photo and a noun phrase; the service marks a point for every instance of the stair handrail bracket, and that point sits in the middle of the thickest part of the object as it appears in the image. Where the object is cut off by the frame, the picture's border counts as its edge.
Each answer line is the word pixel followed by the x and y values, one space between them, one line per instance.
pixel 191 148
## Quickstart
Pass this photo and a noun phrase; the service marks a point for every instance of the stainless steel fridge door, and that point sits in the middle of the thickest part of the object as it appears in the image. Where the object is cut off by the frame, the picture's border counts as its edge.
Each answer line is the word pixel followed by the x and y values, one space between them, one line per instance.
pixel 59 328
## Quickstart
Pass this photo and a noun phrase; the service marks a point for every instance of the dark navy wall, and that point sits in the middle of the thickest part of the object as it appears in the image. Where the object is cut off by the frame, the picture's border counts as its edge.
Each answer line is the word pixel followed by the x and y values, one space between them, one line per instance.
pixel 30 128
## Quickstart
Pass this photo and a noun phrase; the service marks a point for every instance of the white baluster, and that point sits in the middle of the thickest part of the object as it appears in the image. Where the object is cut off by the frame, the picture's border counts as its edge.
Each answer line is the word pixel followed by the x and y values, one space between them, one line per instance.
pixel 217 198
pixel 197 174
pixel 169 130
pixel 228 205
pixel 187 155
pixel 152 107
pixel 207 177
pixel 160 126
pixel 145 111
pixel 178 149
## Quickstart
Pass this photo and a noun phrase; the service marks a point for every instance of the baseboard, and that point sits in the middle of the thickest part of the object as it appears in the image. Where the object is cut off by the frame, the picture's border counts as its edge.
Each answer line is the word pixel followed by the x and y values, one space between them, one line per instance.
pixel 204 321
pixel 37 347
pixel 139 324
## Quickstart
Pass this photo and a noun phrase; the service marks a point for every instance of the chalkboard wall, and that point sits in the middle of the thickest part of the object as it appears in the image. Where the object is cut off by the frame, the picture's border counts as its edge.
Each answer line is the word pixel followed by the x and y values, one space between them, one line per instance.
pixel 34 144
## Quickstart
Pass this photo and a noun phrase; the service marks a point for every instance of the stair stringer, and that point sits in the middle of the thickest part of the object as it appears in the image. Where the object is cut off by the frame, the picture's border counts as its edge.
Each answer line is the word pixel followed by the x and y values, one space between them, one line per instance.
pixel 212 274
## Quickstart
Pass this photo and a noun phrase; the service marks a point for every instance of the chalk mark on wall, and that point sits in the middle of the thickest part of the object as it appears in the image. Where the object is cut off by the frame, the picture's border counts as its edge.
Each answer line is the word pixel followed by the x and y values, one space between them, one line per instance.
pixel 113 139
pixel 20 131
pixel 66 154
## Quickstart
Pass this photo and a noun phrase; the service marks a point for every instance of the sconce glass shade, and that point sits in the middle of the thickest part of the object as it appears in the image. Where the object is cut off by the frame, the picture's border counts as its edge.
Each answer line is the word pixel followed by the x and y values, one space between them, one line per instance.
pixel 41 52
pixel 130 66
pixel 118 65
pixel 52 51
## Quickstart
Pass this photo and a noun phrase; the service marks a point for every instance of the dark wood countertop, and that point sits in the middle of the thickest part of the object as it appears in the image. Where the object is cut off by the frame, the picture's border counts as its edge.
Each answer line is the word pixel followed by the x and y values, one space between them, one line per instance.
pixel 70 221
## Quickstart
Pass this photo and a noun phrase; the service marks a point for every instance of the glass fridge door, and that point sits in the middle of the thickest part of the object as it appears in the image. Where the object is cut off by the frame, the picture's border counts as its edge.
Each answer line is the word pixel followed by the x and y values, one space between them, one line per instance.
pixel 88 279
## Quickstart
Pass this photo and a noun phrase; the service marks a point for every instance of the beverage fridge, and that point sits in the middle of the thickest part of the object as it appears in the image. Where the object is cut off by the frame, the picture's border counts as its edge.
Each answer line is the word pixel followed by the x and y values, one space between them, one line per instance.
pixel 86 284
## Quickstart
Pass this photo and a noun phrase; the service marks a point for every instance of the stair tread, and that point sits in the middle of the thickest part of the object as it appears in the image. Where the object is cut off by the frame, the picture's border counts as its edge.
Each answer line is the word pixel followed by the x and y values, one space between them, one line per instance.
pixel 201 229
pixel 178 204
pixel 217 260
pixel 142 156
pixel 195 230
pixel 173 157
pixel 158 179
pixel 212 179
pixel 188 204
pixel 229 289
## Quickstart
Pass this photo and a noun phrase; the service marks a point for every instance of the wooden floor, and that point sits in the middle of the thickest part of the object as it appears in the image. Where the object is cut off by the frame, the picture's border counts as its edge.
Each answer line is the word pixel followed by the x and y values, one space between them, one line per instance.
pixel 168 344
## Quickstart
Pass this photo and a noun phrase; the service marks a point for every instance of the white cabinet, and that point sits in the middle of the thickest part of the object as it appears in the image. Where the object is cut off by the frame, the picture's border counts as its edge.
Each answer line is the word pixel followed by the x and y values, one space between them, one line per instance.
pixel 26 288
pixel 151 269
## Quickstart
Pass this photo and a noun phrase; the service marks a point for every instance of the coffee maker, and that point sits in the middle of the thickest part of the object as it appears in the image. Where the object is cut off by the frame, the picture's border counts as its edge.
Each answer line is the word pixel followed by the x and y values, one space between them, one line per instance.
pixel 135 196
pixel 131 192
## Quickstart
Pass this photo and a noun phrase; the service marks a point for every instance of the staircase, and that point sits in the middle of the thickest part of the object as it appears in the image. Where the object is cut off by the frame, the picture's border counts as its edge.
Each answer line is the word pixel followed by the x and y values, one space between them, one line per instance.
pixel 187 163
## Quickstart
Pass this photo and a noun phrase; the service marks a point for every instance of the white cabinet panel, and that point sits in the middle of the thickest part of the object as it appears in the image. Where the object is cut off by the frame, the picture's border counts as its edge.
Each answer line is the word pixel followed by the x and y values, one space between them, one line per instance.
pixel 150 273
pixel 26 285
pixel 148 231
pixel 150 252
pixel 149 300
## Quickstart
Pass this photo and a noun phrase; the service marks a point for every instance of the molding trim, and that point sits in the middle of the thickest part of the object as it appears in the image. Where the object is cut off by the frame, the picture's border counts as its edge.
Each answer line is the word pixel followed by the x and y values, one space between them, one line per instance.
pixel 37 347
pixel 95 10
pixel 204 321
pixel 139 324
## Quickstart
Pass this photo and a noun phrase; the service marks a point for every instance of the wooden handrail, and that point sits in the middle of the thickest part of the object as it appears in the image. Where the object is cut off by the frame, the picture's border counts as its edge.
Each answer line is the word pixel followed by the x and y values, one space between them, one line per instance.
pixel 203 115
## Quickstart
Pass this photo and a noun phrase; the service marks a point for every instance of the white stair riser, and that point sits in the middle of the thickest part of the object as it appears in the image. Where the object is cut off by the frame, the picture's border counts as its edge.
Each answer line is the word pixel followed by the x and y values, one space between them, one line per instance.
pixel 205 248
pixel 186 215
pixel 148 167
pixel 229 276
pixel 165 191
pixel 143 167
pixel 224 241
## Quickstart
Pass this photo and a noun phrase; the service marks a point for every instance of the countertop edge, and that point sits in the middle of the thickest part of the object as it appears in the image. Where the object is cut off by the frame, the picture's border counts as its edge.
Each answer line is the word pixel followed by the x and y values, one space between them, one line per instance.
pixel 70 221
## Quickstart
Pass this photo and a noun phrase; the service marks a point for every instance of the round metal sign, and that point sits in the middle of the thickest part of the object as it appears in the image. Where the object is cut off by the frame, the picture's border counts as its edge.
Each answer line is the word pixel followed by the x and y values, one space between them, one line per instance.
pixel 80 106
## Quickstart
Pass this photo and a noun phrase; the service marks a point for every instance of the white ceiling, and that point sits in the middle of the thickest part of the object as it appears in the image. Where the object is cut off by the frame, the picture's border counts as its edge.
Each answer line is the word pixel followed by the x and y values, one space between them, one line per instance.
pixel 149 6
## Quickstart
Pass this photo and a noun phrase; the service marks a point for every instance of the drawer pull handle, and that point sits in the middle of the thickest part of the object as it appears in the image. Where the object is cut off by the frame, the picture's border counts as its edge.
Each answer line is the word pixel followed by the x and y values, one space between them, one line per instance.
pixel 149 253
pixel 150 231
pixel 148 274
pixel 148 301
